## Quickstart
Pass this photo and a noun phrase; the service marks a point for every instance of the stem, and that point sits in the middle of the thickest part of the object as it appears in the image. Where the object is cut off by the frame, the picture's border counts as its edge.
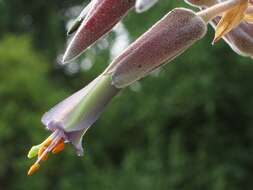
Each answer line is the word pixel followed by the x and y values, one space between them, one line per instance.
pixel 89 109
pixel 209 13
pixel 249 9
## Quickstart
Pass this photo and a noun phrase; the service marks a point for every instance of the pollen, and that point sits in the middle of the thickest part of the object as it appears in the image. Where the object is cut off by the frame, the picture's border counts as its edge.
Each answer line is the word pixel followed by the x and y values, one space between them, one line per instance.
pixel 33 169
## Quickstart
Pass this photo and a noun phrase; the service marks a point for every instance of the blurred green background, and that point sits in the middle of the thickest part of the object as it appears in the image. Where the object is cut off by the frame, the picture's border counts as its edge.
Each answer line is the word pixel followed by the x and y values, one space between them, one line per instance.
pixel 187 126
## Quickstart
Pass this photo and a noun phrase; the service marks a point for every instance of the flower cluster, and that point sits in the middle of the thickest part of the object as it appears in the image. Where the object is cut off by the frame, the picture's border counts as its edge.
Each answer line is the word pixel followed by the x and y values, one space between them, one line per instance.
pixel 178 30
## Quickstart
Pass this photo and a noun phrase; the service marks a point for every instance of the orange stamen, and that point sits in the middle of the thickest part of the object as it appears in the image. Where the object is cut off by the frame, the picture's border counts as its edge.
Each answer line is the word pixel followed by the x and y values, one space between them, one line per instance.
pixel 41 151
pixel 33 169
pixel 47 142
pixel 59 147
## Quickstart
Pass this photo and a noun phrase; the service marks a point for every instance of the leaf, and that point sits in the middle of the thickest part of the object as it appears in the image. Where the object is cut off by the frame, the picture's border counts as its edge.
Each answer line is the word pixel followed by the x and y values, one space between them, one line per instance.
pixel 230 20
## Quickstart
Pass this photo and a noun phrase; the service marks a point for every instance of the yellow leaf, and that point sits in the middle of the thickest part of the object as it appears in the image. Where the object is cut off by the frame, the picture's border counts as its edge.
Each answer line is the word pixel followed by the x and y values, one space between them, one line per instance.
pixel 248 18
pixel 230 20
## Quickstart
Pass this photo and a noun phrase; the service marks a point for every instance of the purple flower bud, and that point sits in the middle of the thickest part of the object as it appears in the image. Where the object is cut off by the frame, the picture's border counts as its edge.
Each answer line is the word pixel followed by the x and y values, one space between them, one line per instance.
pixel 240 39
pixel 101 18
pixel 168 38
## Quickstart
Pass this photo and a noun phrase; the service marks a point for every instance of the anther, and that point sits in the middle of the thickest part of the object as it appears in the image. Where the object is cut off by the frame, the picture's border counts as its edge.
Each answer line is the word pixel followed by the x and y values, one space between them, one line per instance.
pixel 59 147
pixel 33 169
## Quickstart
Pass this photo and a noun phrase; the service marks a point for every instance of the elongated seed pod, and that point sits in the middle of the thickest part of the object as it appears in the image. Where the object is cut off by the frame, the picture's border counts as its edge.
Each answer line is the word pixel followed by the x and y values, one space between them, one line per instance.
pixel 168 38
pixel 101 18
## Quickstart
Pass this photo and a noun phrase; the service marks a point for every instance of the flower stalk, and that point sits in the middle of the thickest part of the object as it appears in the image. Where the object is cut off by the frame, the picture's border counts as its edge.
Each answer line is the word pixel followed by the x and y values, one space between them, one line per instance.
pixel 217 9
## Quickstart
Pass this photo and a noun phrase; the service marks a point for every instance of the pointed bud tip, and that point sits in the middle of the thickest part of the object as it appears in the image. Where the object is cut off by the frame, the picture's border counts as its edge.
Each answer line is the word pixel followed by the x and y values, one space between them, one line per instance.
pixel 65 59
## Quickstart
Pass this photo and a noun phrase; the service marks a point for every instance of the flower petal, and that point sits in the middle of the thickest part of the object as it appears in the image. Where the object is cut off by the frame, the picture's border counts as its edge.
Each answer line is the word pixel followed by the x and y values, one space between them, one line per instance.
pixel 60 112
pixel 230 20
pixel 76 139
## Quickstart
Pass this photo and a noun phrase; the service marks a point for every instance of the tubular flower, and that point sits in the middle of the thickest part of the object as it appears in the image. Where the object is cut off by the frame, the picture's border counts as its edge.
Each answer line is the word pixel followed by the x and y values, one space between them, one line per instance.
pixel 69 120
pixel 240 39
pixel 143 5
pixel 100 19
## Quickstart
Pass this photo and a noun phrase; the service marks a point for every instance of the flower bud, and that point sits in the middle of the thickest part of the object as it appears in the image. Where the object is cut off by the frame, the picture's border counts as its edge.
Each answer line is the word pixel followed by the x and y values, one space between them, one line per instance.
pixel 168 38
pixel 100 19
pixel 240 39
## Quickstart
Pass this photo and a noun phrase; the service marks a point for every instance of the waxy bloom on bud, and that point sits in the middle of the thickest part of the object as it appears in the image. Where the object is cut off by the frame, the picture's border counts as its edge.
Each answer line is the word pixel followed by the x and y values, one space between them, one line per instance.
pixel 69 120
pixel 143 5
pixel 168 38
pixel 100 19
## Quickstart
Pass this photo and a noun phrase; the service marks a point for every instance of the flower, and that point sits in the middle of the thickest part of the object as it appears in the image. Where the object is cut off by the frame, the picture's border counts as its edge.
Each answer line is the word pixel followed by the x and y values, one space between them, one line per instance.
pixel 77 22
pixel 240 38
pixel 100 19
pixel 70 119
pixel 143 5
